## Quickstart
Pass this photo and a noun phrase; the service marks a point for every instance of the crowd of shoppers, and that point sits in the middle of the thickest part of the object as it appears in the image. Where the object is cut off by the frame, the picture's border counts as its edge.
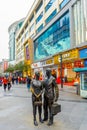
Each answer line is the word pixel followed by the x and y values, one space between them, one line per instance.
pixel 7 83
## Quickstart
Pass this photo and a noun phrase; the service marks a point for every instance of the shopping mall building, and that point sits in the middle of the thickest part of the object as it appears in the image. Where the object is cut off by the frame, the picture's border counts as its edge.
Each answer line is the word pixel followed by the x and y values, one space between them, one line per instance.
pixel 54 29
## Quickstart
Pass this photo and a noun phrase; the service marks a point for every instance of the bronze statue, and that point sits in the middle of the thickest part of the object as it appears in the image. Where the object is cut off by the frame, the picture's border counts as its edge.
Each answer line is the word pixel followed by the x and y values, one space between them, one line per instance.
pixel 36 89
pixel 51 92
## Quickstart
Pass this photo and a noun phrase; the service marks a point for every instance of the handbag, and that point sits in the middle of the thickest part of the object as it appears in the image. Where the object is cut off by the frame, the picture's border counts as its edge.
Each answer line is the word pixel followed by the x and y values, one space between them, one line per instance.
pixel 56 108
pixel 38 103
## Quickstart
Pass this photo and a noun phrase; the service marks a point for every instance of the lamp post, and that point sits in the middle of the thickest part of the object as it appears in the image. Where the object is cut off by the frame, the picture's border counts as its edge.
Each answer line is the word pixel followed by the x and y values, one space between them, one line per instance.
pixel 61 71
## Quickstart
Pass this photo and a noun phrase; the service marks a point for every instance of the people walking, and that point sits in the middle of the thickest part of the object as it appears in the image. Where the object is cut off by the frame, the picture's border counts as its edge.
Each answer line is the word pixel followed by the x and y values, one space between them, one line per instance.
pixel 51 92
pixel 9 83
pixel 5 82
pixel 13 79
pixel 16 79
pixel 36 89
pixel 28 82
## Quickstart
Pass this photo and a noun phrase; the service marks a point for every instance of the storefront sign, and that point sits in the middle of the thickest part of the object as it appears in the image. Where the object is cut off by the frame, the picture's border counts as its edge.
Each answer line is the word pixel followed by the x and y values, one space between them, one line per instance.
pixel 27 52
pixel 78 63
pixel 83 53
pixel 43 63
pixel 56 59
pixel 67 56
pixel 73 54
pixel 50 61
pixel 36 65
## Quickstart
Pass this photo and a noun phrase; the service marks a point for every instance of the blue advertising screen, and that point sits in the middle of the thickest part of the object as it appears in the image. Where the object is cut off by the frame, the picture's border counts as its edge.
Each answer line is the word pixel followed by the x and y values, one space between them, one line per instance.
pixel 53 40
pixel 83 53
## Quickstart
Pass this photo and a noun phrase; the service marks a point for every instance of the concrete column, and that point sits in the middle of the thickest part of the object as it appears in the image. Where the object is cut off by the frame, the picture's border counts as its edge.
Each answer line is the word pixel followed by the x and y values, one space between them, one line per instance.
pixel 72 34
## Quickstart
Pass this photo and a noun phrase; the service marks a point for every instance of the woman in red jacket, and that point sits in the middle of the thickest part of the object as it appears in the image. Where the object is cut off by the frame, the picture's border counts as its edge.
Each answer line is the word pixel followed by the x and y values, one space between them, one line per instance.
pixel 5 82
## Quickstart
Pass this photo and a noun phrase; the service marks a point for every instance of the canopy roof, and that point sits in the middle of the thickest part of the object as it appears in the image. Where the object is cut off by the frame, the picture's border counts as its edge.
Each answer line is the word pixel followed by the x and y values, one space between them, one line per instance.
pixel 80 69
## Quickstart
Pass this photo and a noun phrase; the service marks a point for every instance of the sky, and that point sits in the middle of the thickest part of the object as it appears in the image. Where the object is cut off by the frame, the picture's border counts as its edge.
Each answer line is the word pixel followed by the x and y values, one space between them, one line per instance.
pixel 10 11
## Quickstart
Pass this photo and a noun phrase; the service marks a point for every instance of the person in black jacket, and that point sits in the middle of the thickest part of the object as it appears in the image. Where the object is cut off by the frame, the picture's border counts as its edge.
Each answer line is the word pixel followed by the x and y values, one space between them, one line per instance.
pixel 28 82
pixel 51 92
pixel 37 89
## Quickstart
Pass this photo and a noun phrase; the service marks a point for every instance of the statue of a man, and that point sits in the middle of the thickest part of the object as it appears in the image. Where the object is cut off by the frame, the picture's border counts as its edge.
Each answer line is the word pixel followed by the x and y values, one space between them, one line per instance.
pixel 51 93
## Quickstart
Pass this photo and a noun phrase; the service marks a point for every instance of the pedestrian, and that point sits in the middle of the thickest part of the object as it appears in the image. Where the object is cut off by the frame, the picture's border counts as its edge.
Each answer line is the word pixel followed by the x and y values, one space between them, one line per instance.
pixel 5 82
pixel 51 93
pixel 36 89
pixel 16 78
pixel 77 84
pixel 28 82
pixel 13 79
pixel 9 83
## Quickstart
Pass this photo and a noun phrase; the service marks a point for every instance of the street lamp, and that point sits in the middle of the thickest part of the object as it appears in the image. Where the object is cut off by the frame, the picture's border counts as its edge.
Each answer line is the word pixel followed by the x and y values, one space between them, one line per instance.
pixel 61 71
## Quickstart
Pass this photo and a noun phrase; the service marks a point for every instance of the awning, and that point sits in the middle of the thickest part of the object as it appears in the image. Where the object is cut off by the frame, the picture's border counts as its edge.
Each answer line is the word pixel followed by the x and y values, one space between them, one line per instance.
pixel 80 69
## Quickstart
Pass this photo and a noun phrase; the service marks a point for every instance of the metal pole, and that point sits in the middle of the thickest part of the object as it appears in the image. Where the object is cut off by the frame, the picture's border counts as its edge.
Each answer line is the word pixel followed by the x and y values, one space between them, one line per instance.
pixel 61 71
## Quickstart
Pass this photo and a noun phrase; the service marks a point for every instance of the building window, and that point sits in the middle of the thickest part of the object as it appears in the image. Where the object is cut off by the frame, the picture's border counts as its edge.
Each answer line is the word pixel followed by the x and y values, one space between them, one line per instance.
pixel 39 17
pixel 26 34
pixel 63 3
pixel 39 6
pixel 32 27
pixel 51 16
pixel 49 5
pixel 55 39
pixel 39 28
pixel 31 18
pixel 26 25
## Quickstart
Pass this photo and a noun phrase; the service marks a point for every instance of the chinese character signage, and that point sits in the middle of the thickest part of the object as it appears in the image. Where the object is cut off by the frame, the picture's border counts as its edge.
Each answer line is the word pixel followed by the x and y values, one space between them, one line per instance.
pixel 27 52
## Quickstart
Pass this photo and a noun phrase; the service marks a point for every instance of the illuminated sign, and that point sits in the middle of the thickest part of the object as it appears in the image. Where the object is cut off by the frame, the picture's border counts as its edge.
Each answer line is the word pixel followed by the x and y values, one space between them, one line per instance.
pixel 50 61
pixel 66 56
pixel 83 53
pixel 27 52
pixel 36 65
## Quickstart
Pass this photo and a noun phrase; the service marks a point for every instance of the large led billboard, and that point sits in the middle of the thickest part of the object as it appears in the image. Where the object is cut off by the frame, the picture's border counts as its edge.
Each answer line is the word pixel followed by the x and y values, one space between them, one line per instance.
pixel 55 39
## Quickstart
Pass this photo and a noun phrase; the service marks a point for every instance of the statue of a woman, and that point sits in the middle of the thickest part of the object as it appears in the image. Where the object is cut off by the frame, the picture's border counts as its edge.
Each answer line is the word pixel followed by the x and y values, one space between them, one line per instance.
pixel 36 89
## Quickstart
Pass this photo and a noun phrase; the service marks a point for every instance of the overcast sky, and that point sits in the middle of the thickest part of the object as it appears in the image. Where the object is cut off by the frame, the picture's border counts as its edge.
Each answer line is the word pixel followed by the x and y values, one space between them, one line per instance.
pixel 10 11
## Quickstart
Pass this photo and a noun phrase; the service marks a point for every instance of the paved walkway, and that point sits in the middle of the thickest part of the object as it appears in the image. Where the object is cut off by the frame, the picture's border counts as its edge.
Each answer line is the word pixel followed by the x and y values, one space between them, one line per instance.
pixel 16 110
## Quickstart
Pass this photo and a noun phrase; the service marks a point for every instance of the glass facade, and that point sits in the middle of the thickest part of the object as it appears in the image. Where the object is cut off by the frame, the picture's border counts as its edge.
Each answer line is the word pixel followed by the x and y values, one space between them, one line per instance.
pixel 32 27
pixel 64 2
pixel 51 16
pixel 49 5
pixel 39 28
pixel 84 81
pixel 39 17
pixel 55 39
pixel 80 21
pixel 12 46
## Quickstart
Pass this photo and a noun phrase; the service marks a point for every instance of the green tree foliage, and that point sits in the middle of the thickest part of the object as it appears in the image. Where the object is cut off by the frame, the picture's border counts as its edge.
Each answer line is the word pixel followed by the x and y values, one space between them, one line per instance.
pixel 10 69
pixel 18 67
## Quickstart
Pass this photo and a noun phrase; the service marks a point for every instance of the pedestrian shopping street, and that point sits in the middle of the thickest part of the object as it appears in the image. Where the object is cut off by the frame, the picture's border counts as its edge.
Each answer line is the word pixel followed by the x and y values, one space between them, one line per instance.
pixel 16 110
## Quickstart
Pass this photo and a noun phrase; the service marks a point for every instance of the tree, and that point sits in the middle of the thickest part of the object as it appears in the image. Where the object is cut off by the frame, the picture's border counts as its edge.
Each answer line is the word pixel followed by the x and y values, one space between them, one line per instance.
pixel 18 67
pixel 10 69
